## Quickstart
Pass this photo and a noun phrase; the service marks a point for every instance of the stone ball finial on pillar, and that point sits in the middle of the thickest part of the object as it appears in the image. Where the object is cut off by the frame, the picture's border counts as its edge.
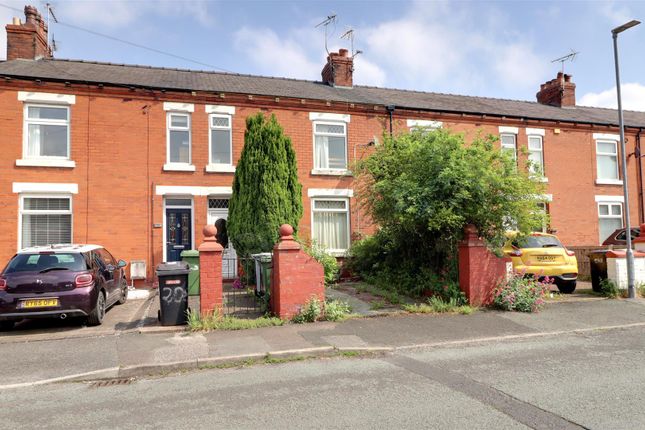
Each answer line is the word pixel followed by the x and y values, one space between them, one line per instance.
pixel 209 232
pixel 286 232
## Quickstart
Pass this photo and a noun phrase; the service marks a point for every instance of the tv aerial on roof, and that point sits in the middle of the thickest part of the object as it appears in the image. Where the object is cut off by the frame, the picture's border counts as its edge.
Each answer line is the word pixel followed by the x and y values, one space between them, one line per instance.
pixel 51 15
pixel 349 35
pixel 569 57
pixel 331 19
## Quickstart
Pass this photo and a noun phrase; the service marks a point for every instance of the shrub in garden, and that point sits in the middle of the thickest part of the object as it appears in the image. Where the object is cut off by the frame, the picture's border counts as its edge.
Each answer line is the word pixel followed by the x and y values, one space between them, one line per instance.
pixel 315 310
pixel 421 189
pixel 328 261
pixel 266 189
pixel 521 294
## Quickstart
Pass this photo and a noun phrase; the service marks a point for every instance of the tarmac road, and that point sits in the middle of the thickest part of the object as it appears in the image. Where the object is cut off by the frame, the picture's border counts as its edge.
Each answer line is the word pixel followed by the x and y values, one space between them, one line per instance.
pixel 577 380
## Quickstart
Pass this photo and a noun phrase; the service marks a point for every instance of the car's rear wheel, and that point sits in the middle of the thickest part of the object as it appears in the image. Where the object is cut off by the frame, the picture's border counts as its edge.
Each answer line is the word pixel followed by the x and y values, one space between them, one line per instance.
pixel 6 325
pixel 124 292
pixel 96 316
pixel 566 287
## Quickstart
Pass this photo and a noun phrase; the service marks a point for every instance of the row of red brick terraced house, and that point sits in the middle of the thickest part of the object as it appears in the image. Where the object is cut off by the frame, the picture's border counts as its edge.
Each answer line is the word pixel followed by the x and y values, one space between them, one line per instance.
pixel 138 159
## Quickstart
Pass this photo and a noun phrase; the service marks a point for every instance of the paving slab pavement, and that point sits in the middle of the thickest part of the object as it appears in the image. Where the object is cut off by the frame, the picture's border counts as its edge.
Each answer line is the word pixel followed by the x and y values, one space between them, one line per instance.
pixel 144 353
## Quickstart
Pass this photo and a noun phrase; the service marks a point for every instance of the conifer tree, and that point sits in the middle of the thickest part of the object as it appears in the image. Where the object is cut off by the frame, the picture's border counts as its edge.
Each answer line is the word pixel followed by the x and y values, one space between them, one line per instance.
pixel 266 190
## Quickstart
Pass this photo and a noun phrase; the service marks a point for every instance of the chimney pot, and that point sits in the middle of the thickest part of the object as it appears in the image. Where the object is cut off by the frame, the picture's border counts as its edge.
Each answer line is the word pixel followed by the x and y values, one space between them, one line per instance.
pixel 560 92
pixel 338 71
pixel 28 41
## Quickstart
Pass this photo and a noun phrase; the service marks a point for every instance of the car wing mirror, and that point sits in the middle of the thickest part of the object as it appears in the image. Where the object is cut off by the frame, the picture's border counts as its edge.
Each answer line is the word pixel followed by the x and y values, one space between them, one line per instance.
pixel 122 264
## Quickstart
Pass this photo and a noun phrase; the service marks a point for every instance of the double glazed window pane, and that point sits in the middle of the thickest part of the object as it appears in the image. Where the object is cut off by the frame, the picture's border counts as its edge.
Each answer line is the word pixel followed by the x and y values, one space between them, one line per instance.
pixel 47 140
pixel 43 223
pixel 47 132
pixel 330 146
pixel 330 229
pixel 535 156
pixel 607 159
pixel 508 145
pixel 179 146
pixel 221 140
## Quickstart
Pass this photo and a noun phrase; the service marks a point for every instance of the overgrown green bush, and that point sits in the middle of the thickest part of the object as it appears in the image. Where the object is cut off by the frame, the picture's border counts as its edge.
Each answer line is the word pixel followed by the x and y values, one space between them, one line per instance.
pixel 337 310
pixel 520 293
pixel 421 189
pixel 328 261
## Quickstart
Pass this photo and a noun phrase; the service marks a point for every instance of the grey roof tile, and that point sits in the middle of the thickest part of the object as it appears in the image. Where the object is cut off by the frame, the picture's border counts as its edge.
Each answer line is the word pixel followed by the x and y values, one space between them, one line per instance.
pixel 195 80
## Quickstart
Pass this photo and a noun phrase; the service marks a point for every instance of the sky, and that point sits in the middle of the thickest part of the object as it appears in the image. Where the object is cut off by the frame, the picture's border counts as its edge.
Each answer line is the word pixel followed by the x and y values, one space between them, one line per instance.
pixel 501 49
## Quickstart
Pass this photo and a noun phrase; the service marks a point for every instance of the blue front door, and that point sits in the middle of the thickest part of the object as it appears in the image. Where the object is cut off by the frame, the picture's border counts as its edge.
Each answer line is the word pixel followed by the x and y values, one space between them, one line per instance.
pixel 178 233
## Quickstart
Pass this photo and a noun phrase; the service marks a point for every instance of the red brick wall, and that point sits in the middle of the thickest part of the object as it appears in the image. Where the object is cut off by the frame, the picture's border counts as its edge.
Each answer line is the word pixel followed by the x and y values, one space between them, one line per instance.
pixel 120 151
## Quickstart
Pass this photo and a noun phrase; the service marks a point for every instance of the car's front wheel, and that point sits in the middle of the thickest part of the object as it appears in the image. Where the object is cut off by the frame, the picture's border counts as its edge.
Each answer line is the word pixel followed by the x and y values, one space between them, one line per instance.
pixel 566 287
pixel 96 316
pixel 124 292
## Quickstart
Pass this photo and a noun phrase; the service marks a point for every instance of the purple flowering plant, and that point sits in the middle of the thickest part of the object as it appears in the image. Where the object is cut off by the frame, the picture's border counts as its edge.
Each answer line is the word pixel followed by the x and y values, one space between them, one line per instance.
pixel 521 293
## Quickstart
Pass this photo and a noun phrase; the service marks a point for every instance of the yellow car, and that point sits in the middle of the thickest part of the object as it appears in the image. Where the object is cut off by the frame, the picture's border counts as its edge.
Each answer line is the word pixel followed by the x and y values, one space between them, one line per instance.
pixel 542 255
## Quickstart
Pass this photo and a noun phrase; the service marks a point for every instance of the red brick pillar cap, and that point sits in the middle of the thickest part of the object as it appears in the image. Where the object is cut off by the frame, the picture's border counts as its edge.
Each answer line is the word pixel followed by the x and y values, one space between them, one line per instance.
pixel 286 238
pixel 286 232
pixel 210 244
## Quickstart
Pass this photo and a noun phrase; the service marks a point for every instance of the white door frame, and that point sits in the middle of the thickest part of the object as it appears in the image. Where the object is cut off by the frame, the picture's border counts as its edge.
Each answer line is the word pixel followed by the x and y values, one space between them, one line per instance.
pixel 192 220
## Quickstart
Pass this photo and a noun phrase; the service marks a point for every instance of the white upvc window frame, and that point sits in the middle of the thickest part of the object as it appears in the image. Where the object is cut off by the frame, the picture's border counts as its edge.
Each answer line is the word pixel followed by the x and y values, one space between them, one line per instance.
pixel 176 165
pixel 332 251
pixel 22 211
pixel 44 160
pixel 327 170
pixel 506 147
pixel 543 207
pixel 220 167
pixel 608 181
pixel 539 175
pixel 610 203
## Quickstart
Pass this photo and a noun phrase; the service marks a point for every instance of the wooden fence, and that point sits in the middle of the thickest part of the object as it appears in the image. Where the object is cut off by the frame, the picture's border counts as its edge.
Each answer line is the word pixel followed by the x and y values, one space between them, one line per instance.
pixel 584 271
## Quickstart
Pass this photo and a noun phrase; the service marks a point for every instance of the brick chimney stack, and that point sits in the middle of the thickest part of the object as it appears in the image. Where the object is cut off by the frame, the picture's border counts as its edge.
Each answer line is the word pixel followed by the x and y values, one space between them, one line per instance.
pixel 339 69
pixel 560 92
pixel 29 40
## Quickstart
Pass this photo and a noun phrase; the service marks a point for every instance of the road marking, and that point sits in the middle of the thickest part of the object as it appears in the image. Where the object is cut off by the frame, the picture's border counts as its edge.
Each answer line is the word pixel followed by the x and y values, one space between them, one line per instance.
pixel 517 336
pixel 522 412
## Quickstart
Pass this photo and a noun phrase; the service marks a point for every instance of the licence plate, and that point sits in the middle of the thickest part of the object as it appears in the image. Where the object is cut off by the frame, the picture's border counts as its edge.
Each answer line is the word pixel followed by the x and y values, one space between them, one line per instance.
pixel 547 258
pixel 38 303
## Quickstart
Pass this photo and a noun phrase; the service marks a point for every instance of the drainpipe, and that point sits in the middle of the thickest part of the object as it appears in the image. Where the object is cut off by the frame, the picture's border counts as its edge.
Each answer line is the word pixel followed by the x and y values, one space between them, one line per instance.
pixel 639 169
pixel 390 110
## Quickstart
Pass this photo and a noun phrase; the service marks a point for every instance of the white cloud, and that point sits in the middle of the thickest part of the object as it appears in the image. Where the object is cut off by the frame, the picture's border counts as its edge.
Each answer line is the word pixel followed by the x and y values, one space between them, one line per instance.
pixel 617 14
pixel 632 94
pixel 368 73
pixel 274 55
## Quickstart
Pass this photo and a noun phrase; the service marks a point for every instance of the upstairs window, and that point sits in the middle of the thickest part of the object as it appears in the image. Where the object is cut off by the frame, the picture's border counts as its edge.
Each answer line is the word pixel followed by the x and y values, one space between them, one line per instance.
pixel 221 149
pixel 607 160
pixel 46 132
pixel 330 146
pixel 509 145
pixel 178 138
pixel 536 156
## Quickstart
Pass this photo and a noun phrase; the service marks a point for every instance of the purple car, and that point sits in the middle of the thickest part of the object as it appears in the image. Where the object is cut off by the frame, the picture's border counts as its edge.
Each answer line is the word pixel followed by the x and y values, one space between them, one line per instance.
pixel 61 281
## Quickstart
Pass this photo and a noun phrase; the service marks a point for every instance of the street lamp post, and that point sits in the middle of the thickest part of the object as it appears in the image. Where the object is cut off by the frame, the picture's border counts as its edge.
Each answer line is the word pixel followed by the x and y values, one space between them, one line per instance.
pixel 623 157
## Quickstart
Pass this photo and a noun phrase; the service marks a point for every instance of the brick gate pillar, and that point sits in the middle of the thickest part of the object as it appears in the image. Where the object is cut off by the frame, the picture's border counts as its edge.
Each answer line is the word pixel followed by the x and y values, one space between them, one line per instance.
pixel 211 293
pixel 479 269
pixel 296 276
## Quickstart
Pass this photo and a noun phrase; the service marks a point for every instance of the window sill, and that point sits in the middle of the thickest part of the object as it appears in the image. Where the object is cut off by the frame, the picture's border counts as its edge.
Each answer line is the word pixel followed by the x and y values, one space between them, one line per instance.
pixel 178 167
pixel 331 172
pixel 609 182
pixel 540 179
pixel 337 252
pixel 45 162
pixel 220 168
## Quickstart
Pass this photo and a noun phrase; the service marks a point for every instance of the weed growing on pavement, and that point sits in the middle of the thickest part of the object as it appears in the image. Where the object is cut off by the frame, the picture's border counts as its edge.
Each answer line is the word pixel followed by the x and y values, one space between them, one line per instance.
pixel 609 289
pixel 437 305
pixel 520 293
pixel 376 305
pixel 337 310
pixel 216 321
pixel 315 310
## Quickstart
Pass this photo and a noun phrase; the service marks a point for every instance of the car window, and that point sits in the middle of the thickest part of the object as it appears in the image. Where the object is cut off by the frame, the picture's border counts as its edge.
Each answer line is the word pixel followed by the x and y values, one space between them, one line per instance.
pixel 96 257
pixel 538 242
pixel 46 261
pixel 106 257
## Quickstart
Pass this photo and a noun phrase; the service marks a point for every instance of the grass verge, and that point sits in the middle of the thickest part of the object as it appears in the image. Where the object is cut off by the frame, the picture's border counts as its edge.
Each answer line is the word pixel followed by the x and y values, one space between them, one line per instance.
pixel 435 305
